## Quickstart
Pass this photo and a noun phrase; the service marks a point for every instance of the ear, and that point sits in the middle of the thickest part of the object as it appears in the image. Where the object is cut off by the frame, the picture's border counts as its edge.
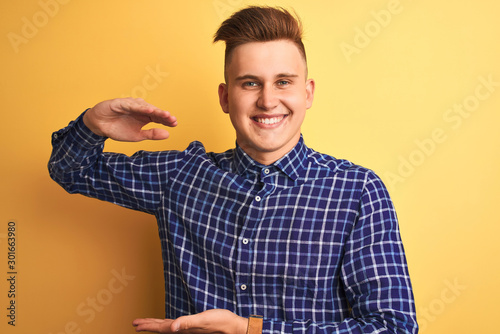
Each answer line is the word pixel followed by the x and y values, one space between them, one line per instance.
pixel 310 87
pixel 223 97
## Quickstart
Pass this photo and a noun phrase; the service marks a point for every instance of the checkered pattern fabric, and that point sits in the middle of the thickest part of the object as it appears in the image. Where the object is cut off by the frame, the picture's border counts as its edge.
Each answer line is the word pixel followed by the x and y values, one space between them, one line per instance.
pixel 310 242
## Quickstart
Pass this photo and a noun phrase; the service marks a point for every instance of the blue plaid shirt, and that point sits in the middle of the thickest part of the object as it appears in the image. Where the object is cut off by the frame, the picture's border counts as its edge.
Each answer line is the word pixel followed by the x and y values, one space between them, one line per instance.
pixel 310 242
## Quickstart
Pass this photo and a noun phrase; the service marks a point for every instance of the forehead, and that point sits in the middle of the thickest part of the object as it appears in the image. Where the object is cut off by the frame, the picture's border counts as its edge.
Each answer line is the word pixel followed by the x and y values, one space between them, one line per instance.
pixel 266 58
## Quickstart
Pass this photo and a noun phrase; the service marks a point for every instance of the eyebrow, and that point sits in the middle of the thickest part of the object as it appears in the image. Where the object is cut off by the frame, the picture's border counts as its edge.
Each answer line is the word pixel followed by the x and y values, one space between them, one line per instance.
pixel 254 77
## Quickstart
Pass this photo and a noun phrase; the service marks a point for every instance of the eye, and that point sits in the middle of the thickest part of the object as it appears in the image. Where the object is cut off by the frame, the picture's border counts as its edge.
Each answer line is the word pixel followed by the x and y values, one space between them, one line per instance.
pixel 250 84
pixel 283 83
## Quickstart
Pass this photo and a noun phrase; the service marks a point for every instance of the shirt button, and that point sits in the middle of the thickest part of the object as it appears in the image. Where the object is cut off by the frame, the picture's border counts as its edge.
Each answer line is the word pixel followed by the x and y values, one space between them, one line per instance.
pixel 245 241
pixel 257 198
pixel 243 287
pixel 266 171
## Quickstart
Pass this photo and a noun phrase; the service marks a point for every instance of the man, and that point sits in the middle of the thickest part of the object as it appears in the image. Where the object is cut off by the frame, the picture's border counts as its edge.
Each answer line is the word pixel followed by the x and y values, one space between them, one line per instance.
pixel 307 242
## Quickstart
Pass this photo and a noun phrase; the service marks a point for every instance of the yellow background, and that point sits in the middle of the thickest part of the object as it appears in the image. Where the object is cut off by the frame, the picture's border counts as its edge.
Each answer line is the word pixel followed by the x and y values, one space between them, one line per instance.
pixel 389 103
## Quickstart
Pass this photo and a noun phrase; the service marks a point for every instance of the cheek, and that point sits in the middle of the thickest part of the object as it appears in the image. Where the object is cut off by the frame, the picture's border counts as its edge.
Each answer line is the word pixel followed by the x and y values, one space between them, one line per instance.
pixel 240 103
pixel 238 109
pixel 294 101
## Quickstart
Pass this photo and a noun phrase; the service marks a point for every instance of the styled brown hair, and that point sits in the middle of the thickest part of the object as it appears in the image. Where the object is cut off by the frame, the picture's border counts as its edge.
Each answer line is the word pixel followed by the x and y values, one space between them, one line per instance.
pixel 259 24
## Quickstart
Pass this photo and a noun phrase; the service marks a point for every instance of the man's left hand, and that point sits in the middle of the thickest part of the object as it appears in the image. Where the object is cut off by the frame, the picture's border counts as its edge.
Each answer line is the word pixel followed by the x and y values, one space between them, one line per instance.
pixel 211 321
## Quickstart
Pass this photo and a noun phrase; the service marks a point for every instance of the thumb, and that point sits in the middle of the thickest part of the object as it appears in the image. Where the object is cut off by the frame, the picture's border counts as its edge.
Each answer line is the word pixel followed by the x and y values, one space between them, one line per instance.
pixel 186 323
pixel 175 326
pixel 154 134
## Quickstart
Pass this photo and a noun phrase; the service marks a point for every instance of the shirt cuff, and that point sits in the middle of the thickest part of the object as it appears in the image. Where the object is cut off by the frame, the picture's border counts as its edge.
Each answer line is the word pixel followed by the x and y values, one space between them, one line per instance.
pixel 79 133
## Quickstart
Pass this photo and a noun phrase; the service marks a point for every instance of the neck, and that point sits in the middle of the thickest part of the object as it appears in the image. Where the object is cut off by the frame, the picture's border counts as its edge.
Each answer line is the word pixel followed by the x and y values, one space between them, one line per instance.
pixel 265 157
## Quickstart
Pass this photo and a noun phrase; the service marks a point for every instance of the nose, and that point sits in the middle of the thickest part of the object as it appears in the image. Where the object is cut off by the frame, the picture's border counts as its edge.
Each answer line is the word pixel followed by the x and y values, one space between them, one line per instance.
pixel 268 98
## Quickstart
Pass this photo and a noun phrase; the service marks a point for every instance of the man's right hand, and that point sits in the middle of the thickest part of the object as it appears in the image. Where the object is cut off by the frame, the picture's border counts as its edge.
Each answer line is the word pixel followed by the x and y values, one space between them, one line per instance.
pixel 123 120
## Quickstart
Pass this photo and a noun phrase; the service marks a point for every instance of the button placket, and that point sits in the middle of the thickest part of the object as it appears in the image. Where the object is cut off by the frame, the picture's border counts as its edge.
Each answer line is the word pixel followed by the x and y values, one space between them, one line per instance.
pixel 243 277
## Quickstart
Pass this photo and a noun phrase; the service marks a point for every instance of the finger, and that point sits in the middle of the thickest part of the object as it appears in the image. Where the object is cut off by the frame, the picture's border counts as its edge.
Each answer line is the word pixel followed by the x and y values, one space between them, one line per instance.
pixel 163 117
pixel 140 321
pixel 153 325
pixel 149 327
pixel 132 105
pixel 155 114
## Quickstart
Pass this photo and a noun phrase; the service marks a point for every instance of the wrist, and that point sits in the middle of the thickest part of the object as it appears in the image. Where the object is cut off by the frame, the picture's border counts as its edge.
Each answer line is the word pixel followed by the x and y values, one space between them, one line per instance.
pixel 89 124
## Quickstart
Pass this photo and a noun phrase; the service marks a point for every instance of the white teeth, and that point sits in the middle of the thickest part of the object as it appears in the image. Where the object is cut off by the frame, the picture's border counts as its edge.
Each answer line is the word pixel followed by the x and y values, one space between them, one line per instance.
pixel 273 120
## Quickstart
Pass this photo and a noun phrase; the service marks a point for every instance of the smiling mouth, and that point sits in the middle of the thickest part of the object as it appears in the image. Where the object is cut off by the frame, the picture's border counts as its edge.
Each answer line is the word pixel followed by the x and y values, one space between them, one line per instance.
pixel 269 120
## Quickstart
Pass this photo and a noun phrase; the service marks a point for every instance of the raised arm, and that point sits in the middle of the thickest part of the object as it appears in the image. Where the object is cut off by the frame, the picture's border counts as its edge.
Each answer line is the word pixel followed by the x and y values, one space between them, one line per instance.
pixel 79 164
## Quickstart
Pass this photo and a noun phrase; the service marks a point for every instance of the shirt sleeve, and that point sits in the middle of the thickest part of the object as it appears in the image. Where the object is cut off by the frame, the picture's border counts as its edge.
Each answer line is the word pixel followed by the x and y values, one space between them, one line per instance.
pixel 79 165
pixel 374 272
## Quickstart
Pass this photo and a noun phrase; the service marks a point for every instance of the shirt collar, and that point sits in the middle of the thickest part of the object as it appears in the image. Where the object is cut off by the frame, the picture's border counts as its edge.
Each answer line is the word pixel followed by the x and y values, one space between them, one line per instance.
pixel 292 164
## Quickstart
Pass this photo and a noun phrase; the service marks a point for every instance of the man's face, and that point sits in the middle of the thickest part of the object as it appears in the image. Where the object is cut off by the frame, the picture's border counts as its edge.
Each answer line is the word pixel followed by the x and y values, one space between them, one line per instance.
pixel 266 96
